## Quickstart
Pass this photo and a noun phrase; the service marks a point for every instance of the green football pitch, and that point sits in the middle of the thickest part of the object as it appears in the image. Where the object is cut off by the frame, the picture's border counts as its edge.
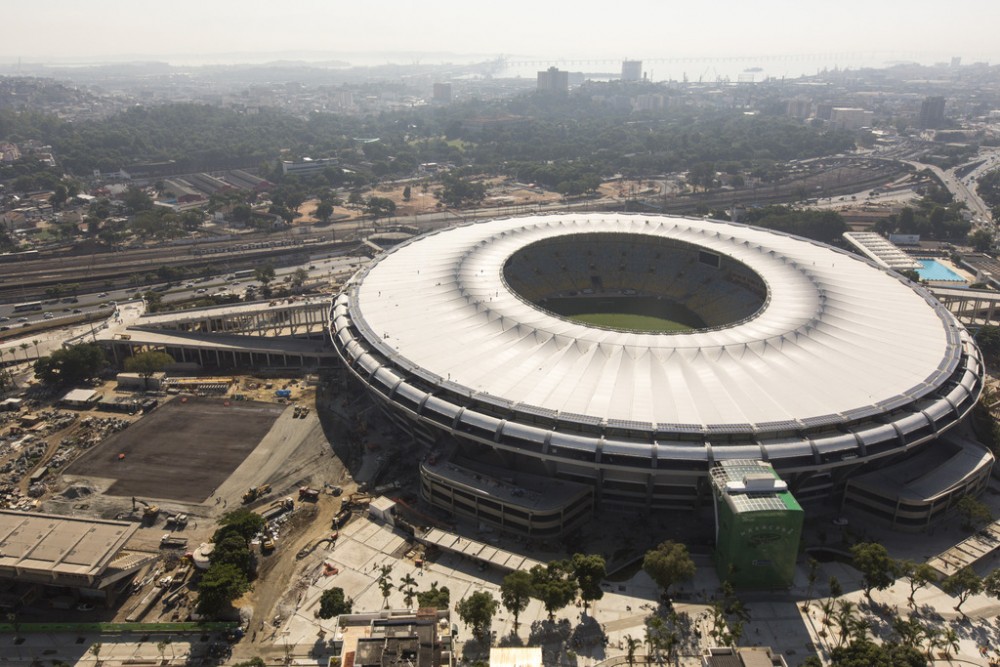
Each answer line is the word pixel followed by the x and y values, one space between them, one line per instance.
pixel 631 313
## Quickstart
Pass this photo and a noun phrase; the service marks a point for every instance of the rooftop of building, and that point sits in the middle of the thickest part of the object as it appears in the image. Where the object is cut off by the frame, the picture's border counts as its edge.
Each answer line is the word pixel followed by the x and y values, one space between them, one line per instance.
pixel 53 546
pixel 509 487
pixel 748 485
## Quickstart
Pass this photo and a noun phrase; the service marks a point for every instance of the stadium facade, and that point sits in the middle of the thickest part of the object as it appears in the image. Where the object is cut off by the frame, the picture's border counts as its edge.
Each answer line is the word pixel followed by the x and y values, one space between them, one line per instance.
pixel 793 352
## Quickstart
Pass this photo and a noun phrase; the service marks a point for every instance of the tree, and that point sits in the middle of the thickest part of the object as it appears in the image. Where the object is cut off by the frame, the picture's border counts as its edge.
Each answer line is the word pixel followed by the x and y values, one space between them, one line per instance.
pixel 242 522
pixel 991 584
pixel 380 207
pixel 457 192
pixel 981 240
pixel 136 200
pixel 662 635
pixel 299 277
pixel 836 590
pixel 241 213
pixel 161 647
pixel 6 379
pixel 264 273
pixel 435 598
pixel 589 571
pixel 515 593
pixel 668 564
pixel 950 641
pixel 154 301
pixel 324 210
pixel 877 569
pixel 147 363
pixel 406 193
pixel 974 513
pixel 477 611
pixel 407 586
pixel 962 585
pixel 96 650
pixel 919 574
pixel 233 550
pixel 70 365
pixel 910 631
pixel 812 576
pixel 631 644
pixel 333 603
pixel 843 618
pixel 988 339
pixel 553 586
pixel 219 586
pixel 385 584
pixel 866 653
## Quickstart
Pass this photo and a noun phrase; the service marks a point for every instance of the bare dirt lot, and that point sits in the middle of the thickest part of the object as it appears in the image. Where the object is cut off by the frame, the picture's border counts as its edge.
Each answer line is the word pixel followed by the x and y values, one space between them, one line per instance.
pixel 183 451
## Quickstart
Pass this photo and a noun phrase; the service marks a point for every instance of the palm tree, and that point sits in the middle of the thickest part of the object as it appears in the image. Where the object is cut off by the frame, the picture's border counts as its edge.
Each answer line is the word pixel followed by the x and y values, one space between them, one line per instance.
pixel 161 646
pixel 631 644
pixel 844 619
pixel 24 350
pixel 933 637
pixel 407 584
pixel 35 343
pixel 827 608
pixel 949 642
pixel 96 650
pixel 910 631
pixel 385 584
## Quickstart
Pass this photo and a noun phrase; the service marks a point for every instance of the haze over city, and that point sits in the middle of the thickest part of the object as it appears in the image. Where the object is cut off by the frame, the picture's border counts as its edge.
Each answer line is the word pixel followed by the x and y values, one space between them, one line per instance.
pixel 229 31
pixel 524 334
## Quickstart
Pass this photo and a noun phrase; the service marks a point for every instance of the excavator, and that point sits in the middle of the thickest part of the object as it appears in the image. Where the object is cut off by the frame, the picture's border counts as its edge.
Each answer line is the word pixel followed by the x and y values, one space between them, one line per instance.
pixel 149 512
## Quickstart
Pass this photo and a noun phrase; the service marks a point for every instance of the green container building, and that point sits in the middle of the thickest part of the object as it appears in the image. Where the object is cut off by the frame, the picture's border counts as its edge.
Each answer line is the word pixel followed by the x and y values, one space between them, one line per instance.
pixel 758 525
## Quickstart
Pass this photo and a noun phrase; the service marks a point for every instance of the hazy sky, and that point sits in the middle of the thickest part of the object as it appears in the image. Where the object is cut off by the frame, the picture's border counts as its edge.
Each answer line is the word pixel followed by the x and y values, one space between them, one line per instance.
pixel 50 30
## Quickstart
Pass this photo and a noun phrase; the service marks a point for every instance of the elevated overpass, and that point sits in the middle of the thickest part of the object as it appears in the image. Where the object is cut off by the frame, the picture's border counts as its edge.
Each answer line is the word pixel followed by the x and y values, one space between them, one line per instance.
pixel 973 308
pixel 277 334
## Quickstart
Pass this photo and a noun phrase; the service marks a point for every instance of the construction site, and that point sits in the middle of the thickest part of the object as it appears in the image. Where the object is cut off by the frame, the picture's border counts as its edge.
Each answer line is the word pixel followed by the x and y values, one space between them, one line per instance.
pixel 160 480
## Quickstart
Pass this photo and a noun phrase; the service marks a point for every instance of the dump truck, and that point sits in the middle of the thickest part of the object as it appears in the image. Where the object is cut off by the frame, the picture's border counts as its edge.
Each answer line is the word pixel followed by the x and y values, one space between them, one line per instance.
pixel 306 493
pixel 170 542
pixel 177 520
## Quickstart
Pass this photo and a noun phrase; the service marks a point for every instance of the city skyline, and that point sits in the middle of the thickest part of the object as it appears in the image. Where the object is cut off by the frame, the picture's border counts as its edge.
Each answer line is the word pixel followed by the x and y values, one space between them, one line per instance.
pixel 227 31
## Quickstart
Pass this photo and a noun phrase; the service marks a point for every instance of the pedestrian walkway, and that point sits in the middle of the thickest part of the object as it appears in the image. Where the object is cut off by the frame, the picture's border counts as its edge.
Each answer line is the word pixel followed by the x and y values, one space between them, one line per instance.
pixel 480 551
pixel 968 552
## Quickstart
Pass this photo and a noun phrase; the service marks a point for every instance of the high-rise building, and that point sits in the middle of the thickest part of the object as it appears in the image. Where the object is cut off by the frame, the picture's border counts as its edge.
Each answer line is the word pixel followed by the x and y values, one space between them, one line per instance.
pixel 631 70
pixel 798 108
pixel 553 80
pixel 442 93
pixel 850 118
pixel 931 113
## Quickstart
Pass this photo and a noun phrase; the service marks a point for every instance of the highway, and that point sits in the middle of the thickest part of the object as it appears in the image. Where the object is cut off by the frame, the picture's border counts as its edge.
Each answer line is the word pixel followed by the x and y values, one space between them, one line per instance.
pixel 963 189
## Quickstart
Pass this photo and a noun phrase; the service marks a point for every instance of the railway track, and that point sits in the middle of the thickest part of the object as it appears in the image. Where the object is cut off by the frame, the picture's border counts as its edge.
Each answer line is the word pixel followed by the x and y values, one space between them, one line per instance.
pixel 27 280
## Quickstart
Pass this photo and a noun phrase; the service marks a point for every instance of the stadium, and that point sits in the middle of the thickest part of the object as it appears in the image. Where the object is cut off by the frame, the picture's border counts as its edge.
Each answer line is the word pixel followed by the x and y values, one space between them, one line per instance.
pixel 563 363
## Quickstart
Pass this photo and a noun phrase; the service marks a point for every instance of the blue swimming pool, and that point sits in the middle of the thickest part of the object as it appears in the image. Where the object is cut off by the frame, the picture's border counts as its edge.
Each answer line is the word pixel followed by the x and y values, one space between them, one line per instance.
pixel 934 270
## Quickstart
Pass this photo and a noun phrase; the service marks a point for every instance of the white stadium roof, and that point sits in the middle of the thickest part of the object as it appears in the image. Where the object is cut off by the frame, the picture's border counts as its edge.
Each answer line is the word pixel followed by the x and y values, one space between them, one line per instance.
pixel 836 335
